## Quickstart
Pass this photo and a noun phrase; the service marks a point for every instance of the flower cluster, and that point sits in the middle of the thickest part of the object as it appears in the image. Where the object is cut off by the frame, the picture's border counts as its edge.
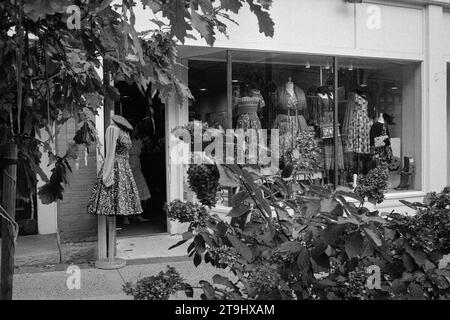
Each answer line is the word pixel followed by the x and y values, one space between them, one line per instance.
pixel 158 287
pixel 222 257
pixel 186 212
pixel 204 181
pixel 374 184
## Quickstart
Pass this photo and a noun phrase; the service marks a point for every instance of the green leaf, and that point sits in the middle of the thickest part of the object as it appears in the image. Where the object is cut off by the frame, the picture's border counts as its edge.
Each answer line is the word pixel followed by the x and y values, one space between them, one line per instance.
pixel 197 259
pixel 241 247
pixel 208 289
pixel 228 178
pixel 203 26
pixel 187 235
pixel 291 246
pixel 354 245
pixel 238 211
pixel 373 236
pixel 188 290
pixel 218 279
pixel 179 243
pixel 416 291
pixel 231 5
pixel 303 260
pixel 408 262
pixel 177 15
pixel 266 24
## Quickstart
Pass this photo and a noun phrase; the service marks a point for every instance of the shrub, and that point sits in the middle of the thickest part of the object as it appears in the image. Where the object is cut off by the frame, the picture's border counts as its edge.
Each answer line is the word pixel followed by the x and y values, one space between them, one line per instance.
pixel 158 287
pixel 186 212
pixel 309 242
pixel 373 185
pixel 203 179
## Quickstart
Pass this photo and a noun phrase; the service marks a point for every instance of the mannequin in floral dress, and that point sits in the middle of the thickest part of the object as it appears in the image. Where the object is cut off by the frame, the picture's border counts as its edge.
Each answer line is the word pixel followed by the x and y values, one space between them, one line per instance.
pixel 291 102
pixel 115 192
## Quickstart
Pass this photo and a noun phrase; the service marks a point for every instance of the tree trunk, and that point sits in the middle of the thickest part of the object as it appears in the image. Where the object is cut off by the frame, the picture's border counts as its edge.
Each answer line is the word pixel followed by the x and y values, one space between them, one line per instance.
pixel 9 203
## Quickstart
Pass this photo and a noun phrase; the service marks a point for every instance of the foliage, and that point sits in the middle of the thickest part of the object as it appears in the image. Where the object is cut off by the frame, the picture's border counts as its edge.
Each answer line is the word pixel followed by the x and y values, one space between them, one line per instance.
pixel 51 72
pixel 429 228
pixel 310 242
pixel 184 212
pixel 158 287
pixel 203 179
pixel 373 185
pixel 306 156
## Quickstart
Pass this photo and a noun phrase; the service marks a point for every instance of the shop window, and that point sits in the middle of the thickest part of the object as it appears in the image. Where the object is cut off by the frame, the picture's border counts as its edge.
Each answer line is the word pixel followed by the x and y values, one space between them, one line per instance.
pixel 374 108
pixel 379 121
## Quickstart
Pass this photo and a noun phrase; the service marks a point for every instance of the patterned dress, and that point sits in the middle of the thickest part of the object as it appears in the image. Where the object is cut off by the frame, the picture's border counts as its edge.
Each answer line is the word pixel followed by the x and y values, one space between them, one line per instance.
pixel 358 140
pixel 115 192
pixel 247 109
pixel 289 126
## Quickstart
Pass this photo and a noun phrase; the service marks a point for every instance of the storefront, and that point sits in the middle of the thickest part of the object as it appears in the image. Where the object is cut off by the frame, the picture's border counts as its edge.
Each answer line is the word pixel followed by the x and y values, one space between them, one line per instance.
pixel 391 54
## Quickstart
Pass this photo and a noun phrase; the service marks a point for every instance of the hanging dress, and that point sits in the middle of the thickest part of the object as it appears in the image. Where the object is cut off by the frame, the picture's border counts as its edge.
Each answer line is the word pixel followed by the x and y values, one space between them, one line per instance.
pixel 115 192
pixel 135 163
pixel 247 108
pixel 290 122
pixel 358 138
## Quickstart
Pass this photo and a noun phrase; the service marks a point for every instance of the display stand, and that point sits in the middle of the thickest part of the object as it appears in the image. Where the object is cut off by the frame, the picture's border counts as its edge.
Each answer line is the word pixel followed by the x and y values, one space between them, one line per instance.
pixel 107 250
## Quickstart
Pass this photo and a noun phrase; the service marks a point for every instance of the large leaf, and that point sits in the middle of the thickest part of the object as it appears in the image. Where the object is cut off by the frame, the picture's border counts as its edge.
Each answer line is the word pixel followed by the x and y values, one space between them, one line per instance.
pixel 373 236
pixel 238 211
pixel 303 260
pixel 231 5
pixel 241 247
pixel 218 279
pixel 203 26
pixel 354 245
pixel 266 24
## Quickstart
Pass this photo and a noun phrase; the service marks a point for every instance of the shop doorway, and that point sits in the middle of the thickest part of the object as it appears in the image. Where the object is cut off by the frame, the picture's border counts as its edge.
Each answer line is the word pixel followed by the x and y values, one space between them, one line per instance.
pixel 148 117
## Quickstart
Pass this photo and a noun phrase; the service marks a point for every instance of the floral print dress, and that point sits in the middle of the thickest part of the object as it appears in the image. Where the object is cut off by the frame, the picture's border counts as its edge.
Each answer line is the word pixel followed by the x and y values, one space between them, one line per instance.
pixel 248 108
pixel 289 126
pixel 358 140
pixel 115 192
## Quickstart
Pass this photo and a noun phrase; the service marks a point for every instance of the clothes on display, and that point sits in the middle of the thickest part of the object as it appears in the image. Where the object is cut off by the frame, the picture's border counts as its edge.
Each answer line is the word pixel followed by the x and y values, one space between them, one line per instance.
pixel 320 111
pixel 247 109
pixel 135 163
pixel 115 192
pixel 291 102
pixel 380 141
pixel 357 125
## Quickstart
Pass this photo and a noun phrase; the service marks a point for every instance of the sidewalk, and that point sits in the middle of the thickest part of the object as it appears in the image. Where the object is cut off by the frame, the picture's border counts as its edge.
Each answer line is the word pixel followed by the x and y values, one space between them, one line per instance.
pixel 41 283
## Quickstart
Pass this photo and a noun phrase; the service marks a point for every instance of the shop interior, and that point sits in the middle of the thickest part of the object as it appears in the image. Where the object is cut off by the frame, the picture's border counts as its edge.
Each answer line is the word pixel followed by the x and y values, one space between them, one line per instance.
pixel 377 100
pixel 147 159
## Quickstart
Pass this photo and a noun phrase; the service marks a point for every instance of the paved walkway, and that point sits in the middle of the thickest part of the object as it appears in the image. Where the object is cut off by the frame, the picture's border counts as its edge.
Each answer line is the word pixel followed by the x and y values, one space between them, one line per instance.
pixel 50 282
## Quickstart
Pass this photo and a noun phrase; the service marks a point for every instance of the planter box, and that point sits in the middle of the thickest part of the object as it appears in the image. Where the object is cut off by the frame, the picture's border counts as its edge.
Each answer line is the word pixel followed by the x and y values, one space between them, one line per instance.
pixel 175 227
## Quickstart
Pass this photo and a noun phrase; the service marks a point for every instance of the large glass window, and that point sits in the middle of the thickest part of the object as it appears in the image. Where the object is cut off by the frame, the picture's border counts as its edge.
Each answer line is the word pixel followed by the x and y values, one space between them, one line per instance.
pixel 335 132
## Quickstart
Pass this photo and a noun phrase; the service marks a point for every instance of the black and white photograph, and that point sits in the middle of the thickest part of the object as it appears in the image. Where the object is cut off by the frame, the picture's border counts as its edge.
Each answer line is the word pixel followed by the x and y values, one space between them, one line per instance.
pixel 224 158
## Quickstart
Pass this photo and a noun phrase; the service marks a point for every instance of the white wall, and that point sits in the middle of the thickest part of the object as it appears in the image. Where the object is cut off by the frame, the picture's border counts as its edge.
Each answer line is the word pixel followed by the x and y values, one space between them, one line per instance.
pixel 331 27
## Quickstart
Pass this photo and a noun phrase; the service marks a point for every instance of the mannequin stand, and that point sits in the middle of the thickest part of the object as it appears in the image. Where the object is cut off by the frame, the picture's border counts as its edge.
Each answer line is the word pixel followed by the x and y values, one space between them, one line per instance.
pixel 107 259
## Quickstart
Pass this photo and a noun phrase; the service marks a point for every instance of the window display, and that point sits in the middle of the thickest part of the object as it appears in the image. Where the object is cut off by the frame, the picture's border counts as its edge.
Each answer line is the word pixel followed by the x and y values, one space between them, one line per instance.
pixel 377 105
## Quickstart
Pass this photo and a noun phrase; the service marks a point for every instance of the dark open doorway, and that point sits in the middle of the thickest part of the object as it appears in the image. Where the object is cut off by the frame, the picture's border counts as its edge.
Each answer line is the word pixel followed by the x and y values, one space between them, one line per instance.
pixel 148 117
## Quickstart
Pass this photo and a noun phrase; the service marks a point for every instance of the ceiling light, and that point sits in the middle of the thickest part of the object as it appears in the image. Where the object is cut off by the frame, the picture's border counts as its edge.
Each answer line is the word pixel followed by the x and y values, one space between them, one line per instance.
pixel 308 65
pixel 203 89
pixel 234 81
pixel 327 66
pixel 350 67
pixel 394 88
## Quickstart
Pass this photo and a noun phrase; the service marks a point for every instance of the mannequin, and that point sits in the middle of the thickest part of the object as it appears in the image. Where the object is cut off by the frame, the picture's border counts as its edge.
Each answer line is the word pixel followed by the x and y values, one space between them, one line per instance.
pixel 115 192
pixel 291 103
pixel 358 131
pixel 380 140
pixel 249 104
